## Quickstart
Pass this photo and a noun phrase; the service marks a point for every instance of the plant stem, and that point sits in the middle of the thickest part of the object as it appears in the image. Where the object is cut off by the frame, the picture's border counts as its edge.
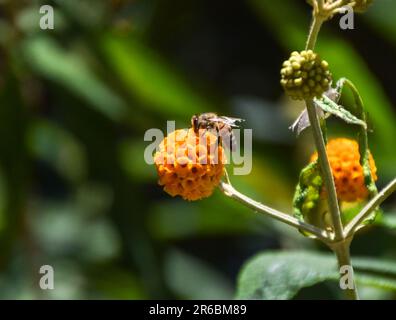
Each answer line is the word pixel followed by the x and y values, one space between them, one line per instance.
pixel 326 171
pixel 369 207
pixel 320 4
pixel 320 144
pixel 313 32
pixel 341 249
pixel 231 192
pixel 337 5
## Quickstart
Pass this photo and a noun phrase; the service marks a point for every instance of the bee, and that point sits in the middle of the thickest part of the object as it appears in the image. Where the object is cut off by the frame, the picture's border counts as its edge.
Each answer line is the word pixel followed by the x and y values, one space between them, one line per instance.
pixel 220 124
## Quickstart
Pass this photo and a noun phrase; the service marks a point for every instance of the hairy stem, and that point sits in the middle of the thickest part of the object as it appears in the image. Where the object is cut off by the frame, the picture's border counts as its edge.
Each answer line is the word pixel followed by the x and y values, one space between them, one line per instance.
pixel 231 192
pixel 313 32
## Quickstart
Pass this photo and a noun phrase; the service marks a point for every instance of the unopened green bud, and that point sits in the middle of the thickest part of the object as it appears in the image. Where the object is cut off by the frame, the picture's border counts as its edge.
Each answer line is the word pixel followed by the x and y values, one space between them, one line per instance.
pixel 362 5
pixel 305 76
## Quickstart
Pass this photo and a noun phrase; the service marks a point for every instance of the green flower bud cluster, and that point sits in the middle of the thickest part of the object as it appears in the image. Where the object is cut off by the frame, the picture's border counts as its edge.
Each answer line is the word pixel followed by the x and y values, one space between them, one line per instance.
pixel 307 200
pixel 312 194
pixel 305 76
pixel 310 186
pixel 362 5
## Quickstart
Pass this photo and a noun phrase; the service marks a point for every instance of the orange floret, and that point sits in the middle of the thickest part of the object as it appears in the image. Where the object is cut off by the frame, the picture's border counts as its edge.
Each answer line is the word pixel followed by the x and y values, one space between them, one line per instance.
pixel 190 165
pixel 348 175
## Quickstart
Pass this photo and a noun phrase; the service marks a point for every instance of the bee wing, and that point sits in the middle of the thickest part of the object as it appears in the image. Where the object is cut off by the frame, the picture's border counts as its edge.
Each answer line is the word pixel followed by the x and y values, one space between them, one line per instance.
pixel 228 140
pixel 227 120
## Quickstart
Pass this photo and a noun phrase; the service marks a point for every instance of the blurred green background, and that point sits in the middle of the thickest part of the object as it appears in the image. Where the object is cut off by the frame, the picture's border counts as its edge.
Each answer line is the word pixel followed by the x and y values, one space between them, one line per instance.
pixel 75 192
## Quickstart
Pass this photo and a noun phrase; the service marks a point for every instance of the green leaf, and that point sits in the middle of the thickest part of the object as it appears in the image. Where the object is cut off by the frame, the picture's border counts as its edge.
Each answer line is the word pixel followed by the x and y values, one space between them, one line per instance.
pixel 387 220
pixel 328 105
pixel 377 266
pixel 376 282
pixel 150 79
pixel 363 144
pixel 281 275
pixel 363 138
pixel 69 70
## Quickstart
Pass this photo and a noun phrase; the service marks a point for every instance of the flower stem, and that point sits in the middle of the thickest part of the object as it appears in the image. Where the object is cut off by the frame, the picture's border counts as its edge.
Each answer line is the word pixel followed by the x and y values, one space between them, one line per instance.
pixel 313 32
pixel 231 192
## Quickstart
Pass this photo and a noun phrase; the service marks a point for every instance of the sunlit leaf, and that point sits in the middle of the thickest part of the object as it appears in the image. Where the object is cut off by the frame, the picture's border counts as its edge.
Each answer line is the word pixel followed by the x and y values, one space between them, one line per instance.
pixel 335 109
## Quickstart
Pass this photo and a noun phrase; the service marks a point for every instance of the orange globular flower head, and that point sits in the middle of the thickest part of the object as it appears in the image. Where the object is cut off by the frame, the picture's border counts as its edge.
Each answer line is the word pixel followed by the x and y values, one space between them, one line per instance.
pixel 344 158
pixel 190 164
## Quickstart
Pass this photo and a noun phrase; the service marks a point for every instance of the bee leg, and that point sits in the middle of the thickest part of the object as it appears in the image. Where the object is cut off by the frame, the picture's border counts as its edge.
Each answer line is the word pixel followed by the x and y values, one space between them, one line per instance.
pixel 227 178
pixel 219 141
